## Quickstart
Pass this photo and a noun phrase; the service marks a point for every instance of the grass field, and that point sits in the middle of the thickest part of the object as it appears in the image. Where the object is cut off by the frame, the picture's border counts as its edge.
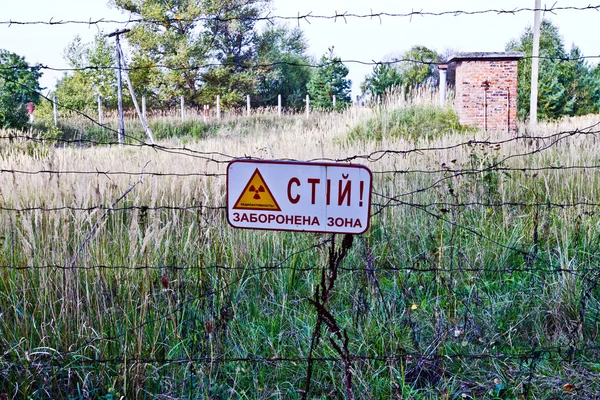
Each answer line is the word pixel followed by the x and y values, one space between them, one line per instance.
pixel 477 279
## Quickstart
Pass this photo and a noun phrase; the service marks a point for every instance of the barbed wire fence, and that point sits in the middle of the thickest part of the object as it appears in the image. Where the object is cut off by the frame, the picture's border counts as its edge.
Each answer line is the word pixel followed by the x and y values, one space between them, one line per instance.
pixel 424 362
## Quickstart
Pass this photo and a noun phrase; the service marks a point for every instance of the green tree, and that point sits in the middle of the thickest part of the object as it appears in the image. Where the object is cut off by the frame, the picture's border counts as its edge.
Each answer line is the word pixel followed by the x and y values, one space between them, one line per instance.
pixel 281 53
pixel 18 86
pixel 420 69
pixel 96 61
pixel 95 74
pixel 412 69
pixel 168 46
pixel 330 80
pixel 176 39
pixel 567 85
pixel 383 78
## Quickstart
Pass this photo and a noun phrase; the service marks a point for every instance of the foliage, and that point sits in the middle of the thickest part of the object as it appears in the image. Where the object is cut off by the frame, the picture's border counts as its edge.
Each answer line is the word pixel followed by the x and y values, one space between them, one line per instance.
pixel 330 80
pixel 384 78
pixel 283 52
pixel 96 61
pixel 448 295
pixel 413 69
pixel 173 39
pixel 421 70
pixel 566 86
pixel 18 86
pixel 413 122
pixel 180 38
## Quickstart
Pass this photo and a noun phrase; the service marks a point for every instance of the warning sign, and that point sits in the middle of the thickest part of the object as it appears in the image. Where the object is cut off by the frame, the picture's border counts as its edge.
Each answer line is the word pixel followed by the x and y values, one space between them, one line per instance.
pixel 256 195
pixel 299 196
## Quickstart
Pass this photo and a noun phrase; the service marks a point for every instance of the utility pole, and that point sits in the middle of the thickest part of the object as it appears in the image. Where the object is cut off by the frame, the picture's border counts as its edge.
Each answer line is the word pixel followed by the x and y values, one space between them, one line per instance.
pixel 119 84
pixel 134 100
pixel 535 66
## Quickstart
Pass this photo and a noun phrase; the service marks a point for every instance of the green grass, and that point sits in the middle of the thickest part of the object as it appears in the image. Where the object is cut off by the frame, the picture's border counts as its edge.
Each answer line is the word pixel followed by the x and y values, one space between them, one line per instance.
pixel 467 267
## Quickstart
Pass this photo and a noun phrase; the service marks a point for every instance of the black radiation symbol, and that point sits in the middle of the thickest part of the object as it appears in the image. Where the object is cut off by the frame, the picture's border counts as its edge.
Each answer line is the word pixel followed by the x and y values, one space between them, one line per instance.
pixel 256 191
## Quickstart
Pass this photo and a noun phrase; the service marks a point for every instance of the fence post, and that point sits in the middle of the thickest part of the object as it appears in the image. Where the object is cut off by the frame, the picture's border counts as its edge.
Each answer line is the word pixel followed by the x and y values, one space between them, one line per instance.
pixel 144 106
pixel 248 105
pixel 100 109
pixel 334 101
pixel 307 106
pixel 55 107
pixel 443 79
pixel 218 107
pixel 182 109
pixel 279 105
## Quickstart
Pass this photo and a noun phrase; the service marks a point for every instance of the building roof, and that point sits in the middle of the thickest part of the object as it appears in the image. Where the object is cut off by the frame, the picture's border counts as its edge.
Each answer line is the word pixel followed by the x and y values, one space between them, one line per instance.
pixel 490 56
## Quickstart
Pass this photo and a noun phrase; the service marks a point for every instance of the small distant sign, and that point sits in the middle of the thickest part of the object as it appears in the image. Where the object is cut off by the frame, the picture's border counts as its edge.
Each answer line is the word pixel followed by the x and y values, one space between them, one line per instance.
pixel 299 196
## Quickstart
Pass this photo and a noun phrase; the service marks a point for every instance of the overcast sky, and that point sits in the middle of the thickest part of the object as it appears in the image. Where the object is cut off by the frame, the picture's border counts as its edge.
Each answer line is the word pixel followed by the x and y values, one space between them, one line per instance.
pixel 368 39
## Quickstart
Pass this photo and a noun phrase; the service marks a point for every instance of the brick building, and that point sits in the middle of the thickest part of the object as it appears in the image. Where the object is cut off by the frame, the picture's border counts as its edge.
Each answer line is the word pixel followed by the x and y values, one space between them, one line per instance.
pixel 485 89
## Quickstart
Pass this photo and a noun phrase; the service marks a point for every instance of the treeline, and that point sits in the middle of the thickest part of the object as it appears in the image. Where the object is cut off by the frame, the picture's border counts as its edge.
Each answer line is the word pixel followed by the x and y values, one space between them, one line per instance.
pixel 568 84
pixel 201 49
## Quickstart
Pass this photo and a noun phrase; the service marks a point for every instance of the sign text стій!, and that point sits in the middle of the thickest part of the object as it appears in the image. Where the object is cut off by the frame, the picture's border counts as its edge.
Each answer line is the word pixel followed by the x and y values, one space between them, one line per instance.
pixel 299 196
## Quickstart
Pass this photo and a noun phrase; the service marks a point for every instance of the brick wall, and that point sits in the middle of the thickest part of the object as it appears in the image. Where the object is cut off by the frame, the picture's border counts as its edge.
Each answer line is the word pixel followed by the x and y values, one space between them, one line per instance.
pixel 486 93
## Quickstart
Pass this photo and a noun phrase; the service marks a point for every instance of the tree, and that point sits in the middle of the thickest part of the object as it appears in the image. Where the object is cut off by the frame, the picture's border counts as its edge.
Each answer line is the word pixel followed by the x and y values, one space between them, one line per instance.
pixel 421 68
pixel 383 78
pixel 18 86
pixel 96 61
pixel 567 85
pixel 95 73
pixel 176 39
pixel 330 80
pixel 410 70
pixel 168 46
pixel 284 70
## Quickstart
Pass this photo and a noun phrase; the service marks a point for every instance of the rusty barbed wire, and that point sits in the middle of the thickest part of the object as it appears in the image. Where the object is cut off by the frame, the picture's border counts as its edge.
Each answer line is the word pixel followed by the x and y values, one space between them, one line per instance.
pixel 306 17
pixel 270 65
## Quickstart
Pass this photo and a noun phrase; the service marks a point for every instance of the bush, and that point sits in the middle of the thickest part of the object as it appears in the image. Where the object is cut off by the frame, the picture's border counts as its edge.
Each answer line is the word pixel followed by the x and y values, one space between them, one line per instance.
pixel 414 122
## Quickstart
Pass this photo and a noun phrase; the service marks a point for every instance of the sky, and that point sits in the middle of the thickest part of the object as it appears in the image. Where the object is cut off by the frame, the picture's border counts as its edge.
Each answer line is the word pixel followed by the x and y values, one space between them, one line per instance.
pixel 364 39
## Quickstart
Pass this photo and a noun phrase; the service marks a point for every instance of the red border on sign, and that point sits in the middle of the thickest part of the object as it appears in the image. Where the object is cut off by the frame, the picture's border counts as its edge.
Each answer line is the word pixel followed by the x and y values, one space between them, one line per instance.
pixel 317 164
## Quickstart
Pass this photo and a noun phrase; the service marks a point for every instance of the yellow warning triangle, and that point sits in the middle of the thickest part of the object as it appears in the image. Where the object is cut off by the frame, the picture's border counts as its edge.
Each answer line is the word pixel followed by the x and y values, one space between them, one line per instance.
pixel 256 195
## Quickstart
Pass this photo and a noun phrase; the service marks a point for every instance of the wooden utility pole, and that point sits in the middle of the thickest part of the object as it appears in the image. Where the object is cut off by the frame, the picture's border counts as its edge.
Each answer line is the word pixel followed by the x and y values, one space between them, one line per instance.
pixel 535 65
pixel 119 84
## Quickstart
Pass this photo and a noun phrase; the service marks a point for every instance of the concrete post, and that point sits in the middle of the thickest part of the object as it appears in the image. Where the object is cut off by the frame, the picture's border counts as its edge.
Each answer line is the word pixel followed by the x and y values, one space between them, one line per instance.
pixel 218 107
pixel 307 106
pixel 443 68
pixel 182 109
pixel 279 105
pixel 100 109
pixel 144 106
pixel 248 105
pixel 55 108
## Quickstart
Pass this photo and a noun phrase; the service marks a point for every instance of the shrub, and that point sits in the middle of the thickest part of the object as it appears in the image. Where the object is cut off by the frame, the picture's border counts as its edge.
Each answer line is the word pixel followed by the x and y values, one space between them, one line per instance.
pixel 413 122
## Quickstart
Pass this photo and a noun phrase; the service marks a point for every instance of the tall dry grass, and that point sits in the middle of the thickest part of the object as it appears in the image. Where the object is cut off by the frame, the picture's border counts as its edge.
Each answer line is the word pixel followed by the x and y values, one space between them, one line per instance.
pixel 471 251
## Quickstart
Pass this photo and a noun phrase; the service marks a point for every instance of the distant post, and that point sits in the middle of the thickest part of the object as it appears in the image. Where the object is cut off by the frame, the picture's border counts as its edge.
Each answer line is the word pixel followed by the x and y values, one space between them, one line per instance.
pixel 248 105
pixel 443 68
pixel 535 65
pixel 100 109
pixel 182 109
pixel 55 108
pixel 307 106
pixel 279 105
pixel 334 101
pixel 144 106
pixel 218 107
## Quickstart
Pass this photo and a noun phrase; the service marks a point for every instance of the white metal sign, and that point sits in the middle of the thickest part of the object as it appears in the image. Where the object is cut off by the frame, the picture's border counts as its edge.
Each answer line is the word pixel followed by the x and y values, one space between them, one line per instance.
pixel 299 196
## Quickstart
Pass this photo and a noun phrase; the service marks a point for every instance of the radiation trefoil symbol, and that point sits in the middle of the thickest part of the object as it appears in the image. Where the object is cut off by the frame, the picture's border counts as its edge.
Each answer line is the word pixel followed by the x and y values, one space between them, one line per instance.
pixel 256 195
